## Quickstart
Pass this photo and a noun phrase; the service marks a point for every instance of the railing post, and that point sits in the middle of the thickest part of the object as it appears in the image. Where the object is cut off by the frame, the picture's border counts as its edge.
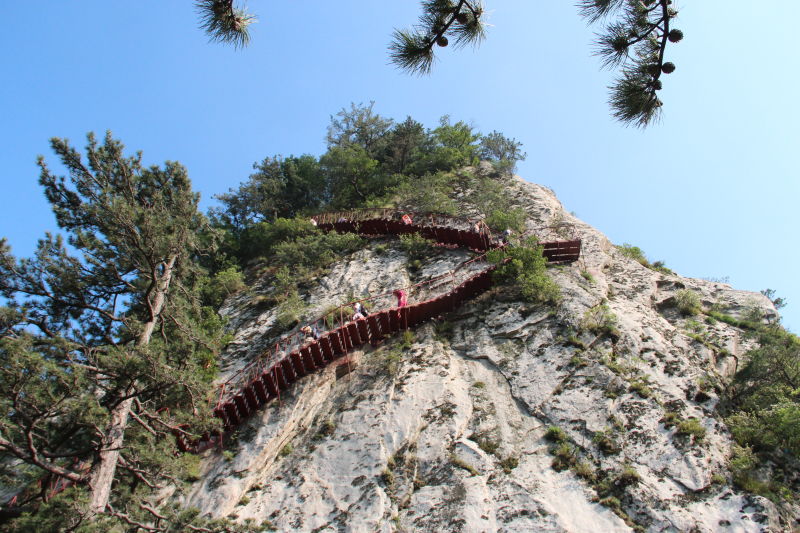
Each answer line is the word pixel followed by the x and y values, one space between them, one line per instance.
pixel 221 393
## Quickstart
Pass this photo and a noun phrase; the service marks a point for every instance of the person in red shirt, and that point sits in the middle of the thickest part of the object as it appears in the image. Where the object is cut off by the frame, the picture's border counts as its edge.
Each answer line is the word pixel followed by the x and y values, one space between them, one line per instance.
pixel 402 298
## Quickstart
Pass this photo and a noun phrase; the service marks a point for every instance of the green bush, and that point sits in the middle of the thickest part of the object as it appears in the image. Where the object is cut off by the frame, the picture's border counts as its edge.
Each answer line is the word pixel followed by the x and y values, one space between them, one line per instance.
pixel 525 267
pixel 606 442
pixel 513 219
pixel 688 302
pixel 429 193
pixel 290 310
pixel 391 363
pixel 628 476
pixel 555 434
pixel 443 330
pixel 692 427
pixel 416 246
pixel 564 456
pixel 742 460
pixel 600 320
pixel 295 244
pixel 315 251
pixel 640 387
pixel 638 255
pixel 326 429
pixel 670 419
pixel 575 342
pixel 223 284
pixel 659 266
pixel 743 465
pixel 765 395
pixel 259 239
pixel 584 470
pixel 508 464
pixel 578 361
pixel 611 502
pixel 635 253
pixel 774 428
pixel 387 476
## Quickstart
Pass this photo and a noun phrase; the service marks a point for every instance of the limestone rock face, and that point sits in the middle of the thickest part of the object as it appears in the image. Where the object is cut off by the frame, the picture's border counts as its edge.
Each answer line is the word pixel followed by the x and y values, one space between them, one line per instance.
pixel 445 428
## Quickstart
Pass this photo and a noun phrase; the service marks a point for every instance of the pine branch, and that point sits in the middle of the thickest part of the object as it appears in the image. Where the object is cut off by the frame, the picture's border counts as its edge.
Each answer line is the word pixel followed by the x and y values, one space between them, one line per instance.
pixel 31 456
pixel 225 23
pixel 594 10
pixel 130 521
pixel 413 50
pixel 637 43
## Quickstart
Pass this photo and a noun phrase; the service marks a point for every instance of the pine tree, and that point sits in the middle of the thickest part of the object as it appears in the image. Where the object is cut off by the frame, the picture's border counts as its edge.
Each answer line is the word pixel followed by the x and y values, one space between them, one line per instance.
pixel 105 350
pixel 441 21
pixel 224 22
pixel 634 40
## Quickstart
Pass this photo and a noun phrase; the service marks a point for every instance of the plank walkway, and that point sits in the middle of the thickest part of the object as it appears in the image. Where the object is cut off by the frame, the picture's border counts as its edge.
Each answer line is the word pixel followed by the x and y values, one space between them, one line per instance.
pixel 297 355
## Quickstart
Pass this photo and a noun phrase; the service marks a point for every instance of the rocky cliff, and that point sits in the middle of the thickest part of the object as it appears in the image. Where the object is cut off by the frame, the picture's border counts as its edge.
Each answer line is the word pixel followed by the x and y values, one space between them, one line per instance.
pixel 596 414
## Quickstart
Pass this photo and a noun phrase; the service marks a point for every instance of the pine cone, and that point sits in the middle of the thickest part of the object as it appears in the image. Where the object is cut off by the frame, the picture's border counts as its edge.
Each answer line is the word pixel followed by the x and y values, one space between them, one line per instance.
pixel 675 36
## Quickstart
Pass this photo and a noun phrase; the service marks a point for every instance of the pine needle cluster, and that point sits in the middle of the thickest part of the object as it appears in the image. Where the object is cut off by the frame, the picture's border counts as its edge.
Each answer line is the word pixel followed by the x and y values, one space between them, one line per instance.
pixel 634 41
pixel 225 23
pixel 441 22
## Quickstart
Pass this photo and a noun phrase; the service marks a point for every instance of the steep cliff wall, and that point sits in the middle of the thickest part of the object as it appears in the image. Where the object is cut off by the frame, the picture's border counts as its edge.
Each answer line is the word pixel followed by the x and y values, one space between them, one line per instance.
pixel 451 427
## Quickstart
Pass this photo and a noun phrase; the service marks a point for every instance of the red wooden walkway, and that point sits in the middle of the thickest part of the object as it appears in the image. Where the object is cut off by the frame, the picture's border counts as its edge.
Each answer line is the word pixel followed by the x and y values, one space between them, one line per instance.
pixel 296 355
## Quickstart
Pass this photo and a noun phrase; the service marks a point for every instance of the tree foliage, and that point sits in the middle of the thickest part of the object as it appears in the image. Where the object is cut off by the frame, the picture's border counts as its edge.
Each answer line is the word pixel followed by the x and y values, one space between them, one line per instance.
pixel 225 23
pixel 105 347
pixel 634 39
pixel 279 187
pixel 370 160
pixel 524 267
pixel 440 21
pixel 763 404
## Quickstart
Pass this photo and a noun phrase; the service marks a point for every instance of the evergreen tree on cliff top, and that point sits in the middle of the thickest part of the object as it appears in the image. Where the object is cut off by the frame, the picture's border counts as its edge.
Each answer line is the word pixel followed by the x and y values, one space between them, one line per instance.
pixel 105 350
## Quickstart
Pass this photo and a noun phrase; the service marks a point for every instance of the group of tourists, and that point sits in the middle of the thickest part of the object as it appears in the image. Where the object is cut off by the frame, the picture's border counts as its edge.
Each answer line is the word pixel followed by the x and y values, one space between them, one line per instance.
pixel 360 311
pixel 312 333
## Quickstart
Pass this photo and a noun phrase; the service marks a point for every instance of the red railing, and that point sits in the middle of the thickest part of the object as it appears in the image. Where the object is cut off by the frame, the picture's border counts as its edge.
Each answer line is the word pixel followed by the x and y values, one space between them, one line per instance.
pixel 298 353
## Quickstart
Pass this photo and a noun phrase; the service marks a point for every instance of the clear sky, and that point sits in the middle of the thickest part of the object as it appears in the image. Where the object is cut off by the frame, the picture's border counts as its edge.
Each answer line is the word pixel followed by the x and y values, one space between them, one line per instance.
pixel 712 190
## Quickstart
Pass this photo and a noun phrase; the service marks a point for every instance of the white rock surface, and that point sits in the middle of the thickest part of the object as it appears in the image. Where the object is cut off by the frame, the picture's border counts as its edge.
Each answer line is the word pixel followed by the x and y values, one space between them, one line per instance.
pixel 424 448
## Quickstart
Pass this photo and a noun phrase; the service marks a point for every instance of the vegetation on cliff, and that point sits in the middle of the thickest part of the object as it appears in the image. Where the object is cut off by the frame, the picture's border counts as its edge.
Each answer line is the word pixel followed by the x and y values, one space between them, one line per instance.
pixel 108 338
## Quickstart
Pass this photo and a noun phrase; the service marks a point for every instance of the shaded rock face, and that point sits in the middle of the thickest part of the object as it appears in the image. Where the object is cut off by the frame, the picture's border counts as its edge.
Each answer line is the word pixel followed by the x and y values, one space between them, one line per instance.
pixel 445 428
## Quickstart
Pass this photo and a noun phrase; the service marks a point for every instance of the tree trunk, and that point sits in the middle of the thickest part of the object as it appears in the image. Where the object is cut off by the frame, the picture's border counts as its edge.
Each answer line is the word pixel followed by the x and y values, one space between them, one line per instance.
pixel 102 476
pixel 158 301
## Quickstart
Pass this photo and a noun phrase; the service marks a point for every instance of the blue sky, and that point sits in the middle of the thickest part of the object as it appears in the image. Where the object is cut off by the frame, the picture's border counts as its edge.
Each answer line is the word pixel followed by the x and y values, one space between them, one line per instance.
pixel 712 190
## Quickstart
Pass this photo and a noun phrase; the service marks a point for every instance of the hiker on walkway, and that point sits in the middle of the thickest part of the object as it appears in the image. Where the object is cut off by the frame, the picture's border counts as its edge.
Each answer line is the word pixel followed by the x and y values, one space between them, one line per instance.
pixel 407 219
pixel 359 311
pixel 308 334
pixel 402 298
pixel 506 238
